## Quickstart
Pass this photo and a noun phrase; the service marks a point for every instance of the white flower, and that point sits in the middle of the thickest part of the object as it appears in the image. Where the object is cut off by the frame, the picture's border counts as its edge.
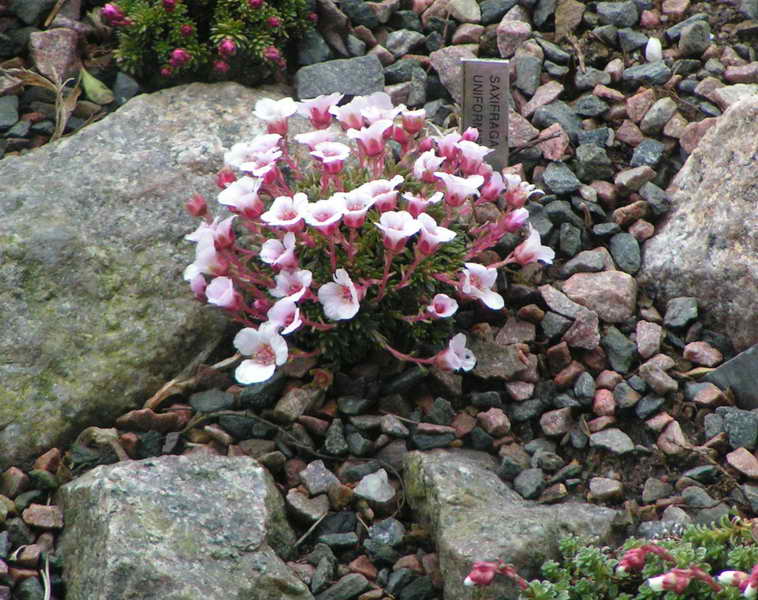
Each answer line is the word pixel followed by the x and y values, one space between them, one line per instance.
pixel 318 109
pixel 531 250
pixel 278 253
pixel 285 315
pixel 472 155
pixel 325 215
pixel 314 138
pixel 459 188
pixel 275 110
pixel 245 152
pixel 207 260
pixel 478 281
pixel 432 235
pixel 442 306
pixel 292 284
pixel 331 153
pixel 456 355
pixel 266 349
pixel 656 583
pixel 425 165
pixel 357 203
pixel 340 298
pixel 286 211
pixel 221 292
pixel 371 139
pixel 397 226
pixel 383 192
pixel 242 196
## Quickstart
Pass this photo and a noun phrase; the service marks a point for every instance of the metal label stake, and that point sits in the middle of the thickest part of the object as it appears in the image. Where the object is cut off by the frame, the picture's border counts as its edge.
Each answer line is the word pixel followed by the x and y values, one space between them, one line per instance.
pixel 486 102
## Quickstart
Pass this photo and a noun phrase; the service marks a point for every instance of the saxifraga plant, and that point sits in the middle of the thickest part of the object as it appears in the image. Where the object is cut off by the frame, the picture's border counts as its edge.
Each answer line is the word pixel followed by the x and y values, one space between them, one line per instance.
pixel 164 42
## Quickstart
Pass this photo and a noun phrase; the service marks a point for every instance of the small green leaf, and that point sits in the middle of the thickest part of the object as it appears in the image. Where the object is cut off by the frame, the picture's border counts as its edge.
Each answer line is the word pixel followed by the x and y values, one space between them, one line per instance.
pixel 95 89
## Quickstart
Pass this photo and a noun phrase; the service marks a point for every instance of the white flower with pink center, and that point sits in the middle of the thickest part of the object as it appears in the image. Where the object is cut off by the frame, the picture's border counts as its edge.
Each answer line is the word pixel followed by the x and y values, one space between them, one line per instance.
pixel 381 108
pixel 456 356
pixel 332 155
pixel 325 215
pixel 339 298
pixel 492 188
pixel 286 211
pixel 357 202
pixel 275 113
pixel 350 116
pixel 397 227
pixel 518 191
pixel 280 254
pixel 532 250
pixel 383 192
pixel 478 281
pixel 243 153
pixel 266 349
pixel 207 260
pixel 222 232
pixel 371 139
pixel 292 284
pixel 318 109
pixel 285 315
pixel 442 306
pixel 425 166
pixel 447 144
pixel 459 188
pixel 432 235
pixel 264 164
pixel 417 204
pixel 413 120
pixel 314 138
pixel 472 155
pixel 242 197
pixel 220 292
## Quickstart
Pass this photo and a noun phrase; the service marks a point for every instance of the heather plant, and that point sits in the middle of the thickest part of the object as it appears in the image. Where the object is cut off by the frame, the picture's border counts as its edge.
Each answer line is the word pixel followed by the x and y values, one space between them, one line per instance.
pixel 165 41
pixel 353 248
pixel 705 563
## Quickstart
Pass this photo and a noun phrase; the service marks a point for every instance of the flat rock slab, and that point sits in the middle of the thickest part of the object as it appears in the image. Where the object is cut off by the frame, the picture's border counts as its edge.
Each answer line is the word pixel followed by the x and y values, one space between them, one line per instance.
pixel 474 515
pixel 177 527
pixel 96 316
pixel 707 246
pixel 740 374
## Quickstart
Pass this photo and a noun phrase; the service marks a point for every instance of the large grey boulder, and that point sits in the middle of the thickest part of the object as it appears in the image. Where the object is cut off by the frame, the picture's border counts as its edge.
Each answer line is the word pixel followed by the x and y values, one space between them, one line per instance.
pixel 474 515
pixel 177 527
pixel 707 246
pixel 95 314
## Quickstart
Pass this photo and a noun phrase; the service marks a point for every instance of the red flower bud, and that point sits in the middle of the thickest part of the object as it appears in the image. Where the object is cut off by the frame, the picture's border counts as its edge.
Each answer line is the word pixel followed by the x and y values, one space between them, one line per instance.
pixel 255 3
pixel 312 16
pixel 225 177
pixel 274 21
pixel 167 71
pixel 169 5
pixel 196 206
pixel 220 66
pixel 186 30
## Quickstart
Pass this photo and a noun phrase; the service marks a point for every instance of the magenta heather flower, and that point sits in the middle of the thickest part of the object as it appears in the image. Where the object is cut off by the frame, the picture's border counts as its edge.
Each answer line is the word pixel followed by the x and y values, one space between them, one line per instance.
pixel 186 30
pixel 227 47
pixel 166 71
pixel 274 22
pixel 221 66
pixel 255 3
pixel 169 5
pixel 114 15
pixel 272 53
pixel 179 57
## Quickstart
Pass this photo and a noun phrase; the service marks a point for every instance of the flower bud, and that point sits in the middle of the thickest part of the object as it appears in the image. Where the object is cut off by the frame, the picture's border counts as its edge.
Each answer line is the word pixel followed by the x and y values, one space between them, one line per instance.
pixel 224 178
pixel 255 3
pixel 186 30
pixel 221 66
pixel 312 16
pixel 471 134
pixel 196 206
pixel 169 5
pixel 425 145
pixel 167 71
pixel 274 22
pixel 272 53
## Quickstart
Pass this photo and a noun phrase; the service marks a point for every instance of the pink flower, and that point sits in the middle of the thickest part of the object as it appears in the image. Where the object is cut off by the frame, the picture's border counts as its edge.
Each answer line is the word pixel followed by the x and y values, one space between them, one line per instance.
pixel 432 235
pixel 518 191
pixel 266 349
pixel 417 204
pixel 459 188
pixel 371 139
pixel 318 109
pixel 198 285
pixel 274 22
pixel 339 298
pixel 207 260
pixel 397 227
pixel 314 138
pixel 280 254
pixel 275 113
pixel 350 115
pixel 272 53
pixel 186 30
pixel 634 559
pixel 169 5
pixel 413 120
pixel 532 250
pixel 678 580
pixel 285 315
pixel 286 211
pixel 472 155
pixel 225 177
pixel 471 134
pixel 478 281
pixel 325 215
pixel 425 165
pixel 442 306
pixel 383 192
pixel 166 71
pixel 446 144
pixel 220 292
pixel 227 47
pixel 179 57
pixel 357 202
pixel 114 15
pixel 222 232
pixel 492 188
pixel 196 206
pixel 456 356
pixel 221 66
pixel 254 3
pixel 515 220
pixel 292 284
pixel 332 156
pixel 242 197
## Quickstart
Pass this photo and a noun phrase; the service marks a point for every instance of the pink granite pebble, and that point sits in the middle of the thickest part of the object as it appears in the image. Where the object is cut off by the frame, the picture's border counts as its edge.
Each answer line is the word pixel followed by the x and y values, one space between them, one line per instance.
pixel 494 421
pixel 638 105
pixel 557 422
pixel 744 461
pixel 603 403
pixel 648 338
pixel 702 353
